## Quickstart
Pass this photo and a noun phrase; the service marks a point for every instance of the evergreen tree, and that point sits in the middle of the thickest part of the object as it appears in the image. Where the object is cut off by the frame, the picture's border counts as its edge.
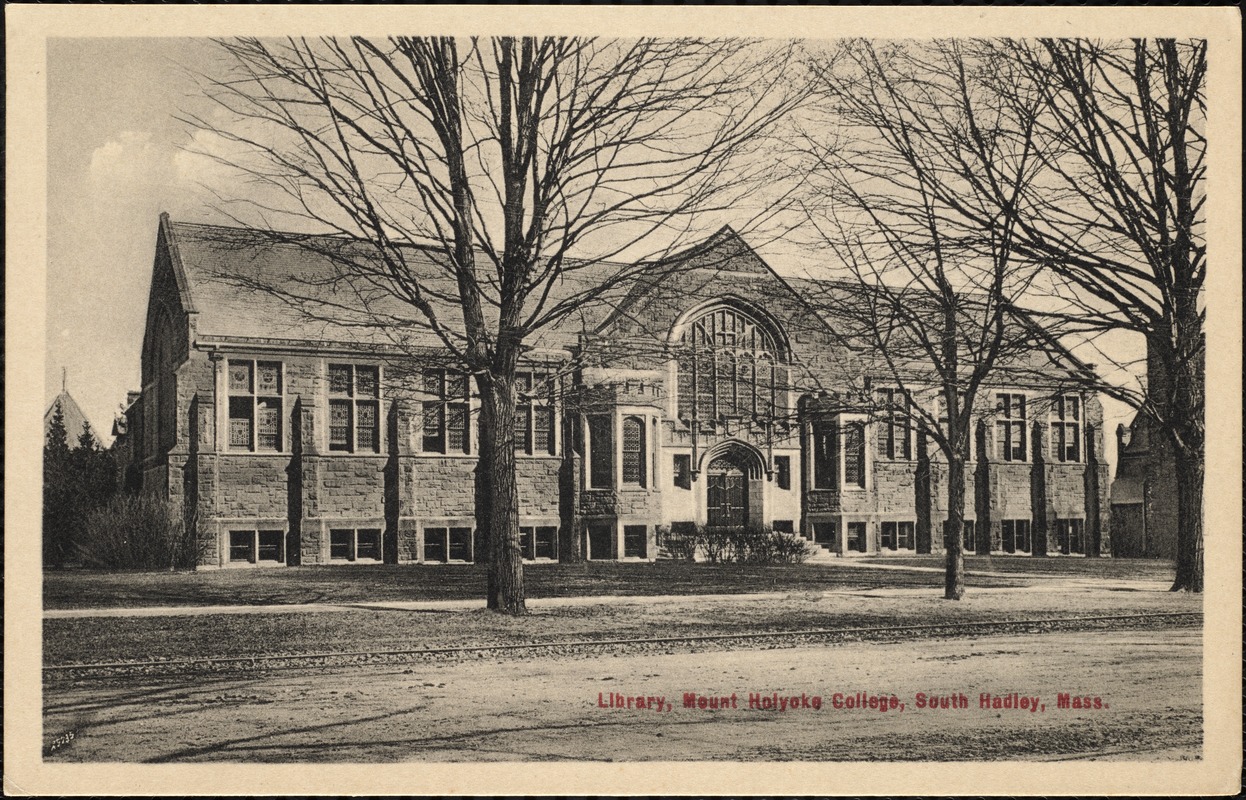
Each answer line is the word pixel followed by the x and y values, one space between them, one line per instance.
pixel 57 490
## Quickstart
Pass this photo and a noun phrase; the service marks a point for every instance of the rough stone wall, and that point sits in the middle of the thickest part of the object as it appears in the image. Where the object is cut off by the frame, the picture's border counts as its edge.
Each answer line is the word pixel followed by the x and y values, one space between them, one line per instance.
pixel 402 488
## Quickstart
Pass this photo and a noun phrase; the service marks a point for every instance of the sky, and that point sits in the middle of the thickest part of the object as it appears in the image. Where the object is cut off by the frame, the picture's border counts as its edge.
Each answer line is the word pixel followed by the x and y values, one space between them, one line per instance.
pixel 117 157
pixel 115 161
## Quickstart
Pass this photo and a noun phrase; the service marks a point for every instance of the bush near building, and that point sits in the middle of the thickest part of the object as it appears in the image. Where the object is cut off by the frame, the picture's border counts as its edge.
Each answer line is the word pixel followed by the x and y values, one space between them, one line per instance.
pixel 136 532
pixel 749 545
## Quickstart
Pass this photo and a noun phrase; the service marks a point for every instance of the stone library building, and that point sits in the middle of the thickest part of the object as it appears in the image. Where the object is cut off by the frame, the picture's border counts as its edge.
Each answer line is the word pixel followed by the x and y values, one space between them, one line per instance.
pixel 295 421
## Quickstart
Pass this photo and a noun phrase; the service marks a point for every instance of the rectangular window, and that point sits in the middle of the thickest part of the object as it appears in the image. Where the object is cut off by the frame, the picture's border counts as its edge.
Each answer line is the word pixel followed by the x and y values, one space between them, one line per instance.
pixel 339 425
pixel 350 544
pixel 354 405
pixel 967 541
pixel 272 546
pixel 782 526
pixel 447 544
pixel 446 418
pixel 907 539
pixel 435 544
pixel 856 537
pixel 895 437
pixel 1010 427
pixel 241 410
pixel 341 545
pixel 634 451
pixel 897 536
pixel 539 542
pixel 601 541
pixel 460 544
pixel 255 405
pixel 1069 536
pixel 635 541
pixel 255 546
pixel 1066 417
pixel 601 452
pixel 683 471
pixel 825 455
pixel 1016 535
pixel 368 544
pixel 534 413
pixel 854 454
pixel 242 546
pixel 783 472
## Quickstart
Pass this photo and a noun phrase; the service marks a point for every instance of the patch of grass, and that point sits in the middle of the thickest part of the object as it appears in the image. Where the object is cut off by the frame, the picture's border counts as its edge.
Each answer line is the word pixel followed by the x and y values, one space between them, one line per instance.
pixel 1148 569
pixel 87 640
pixel 341 584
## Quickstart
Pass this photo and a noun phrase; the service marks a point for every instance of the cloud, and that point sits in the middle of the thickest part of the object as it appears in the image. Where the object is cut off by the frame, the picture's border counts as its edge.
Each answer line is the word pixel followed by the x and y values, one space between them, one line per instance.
pixel 205 161
pixel 131 158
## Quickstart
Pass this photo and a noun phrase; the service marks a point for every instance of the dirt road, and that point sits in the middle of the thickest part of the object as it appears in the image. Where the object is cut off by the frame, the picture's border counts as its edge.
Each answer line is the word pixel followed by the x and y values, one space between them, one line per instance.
pixel 1142 689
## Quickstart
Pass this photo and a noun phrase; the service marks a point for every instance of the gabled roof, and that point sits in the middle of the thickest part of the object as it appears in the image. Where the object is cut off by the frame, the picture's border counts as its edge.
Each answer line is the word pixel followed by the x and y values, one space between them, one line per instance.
pixel 264 285
pixel 74 418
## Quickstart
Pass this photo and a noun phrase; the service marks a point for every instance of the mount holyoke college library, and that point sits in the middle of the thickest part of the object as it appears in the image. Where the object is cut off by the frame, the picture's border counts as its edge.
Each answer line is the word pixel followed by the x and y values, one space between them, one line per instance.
pixel 706 390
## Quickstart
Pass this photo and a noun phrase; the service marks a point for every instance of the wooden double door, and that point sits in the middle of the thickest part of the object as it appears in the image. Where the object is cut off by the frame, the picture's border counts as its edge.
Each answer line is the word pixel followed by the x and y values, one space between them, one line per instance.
pixel 726 489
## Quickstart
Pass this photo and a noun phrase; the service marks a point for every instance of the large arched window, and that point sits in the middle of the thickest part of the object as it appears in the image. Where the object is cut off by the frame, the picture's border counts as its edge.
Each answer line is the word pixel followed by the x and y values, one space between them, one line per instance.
pixel 729 366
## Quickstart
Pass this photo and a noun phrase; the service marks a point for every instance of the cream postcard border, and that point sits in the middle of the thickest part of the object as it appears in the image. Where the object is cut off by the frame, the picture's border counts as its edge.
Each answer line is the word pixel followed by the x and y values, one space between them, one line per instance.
pixel 29 26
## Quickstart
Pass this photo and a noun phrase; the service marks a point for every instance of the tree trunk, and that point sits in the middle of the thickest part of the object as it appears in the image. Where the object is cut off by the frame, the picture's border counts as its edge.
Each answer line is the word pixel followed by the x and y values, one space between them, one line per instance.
pixel 954 578
pixel 1190 471
pixel 1094 522
pixel 982 495
pixel 497 479
pixel 921 490
pixel 1038 493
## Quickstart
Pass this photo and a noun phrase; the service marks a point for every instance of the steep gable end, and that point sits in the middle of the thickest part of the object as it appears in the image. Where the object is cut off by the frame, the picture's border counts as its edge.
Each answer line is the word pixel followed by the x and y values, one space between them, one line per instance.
pixel 170 306
pixel 724 267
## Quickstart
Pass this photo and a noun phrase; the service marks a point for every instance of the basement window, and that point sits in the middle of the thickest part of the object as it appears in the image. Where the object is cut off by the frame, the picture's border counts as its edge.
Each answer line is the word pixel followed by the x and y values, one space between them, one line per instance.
pixel 856 537
pixel 253 547
pixel 635 541
pixel 350 544
pixel 1069 537
pixel 538 542
pixel 897 536
pixel 444 545
pixel 1016 535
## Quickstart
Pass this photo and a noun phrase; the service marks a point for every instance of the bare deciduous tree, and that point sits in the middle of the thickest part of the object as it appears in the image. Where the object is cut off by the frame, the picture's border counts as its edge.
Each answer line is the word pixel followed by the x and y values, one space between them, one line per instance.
pixel 525 163
pixel 1115 213
pixel 932 297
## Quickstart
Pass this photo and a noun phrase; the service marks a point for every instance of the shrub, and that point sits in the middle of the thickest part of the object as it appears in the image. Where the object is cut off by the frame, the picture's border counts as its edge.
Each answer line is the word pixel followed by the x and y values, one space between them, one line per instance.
pixel 751 545
pixel 718 544
pixel 137 532
pixel 790 548
pixel 679 545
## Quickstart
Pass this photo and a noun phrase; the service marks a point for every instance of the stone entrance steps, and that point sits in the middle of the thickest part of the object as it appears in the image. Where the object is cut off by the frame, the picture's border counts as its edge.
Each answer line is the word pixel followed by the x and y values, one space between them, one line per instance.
pixel 821 552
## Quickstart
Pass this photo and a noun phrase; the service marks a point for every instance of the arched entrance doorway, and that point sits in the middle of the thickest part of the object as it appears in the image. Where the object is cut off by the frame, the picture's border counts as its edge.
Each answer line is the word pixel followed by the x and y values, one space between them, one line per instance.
pixel 726 493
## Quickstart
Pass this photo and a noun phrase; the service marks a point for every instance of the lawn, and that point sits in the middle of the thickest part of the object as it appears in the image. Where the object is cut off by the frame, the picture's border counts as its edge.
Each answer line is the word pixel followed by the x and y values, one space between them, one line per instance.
pixel 1146 569
pixel 86 640
pixel 329 584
